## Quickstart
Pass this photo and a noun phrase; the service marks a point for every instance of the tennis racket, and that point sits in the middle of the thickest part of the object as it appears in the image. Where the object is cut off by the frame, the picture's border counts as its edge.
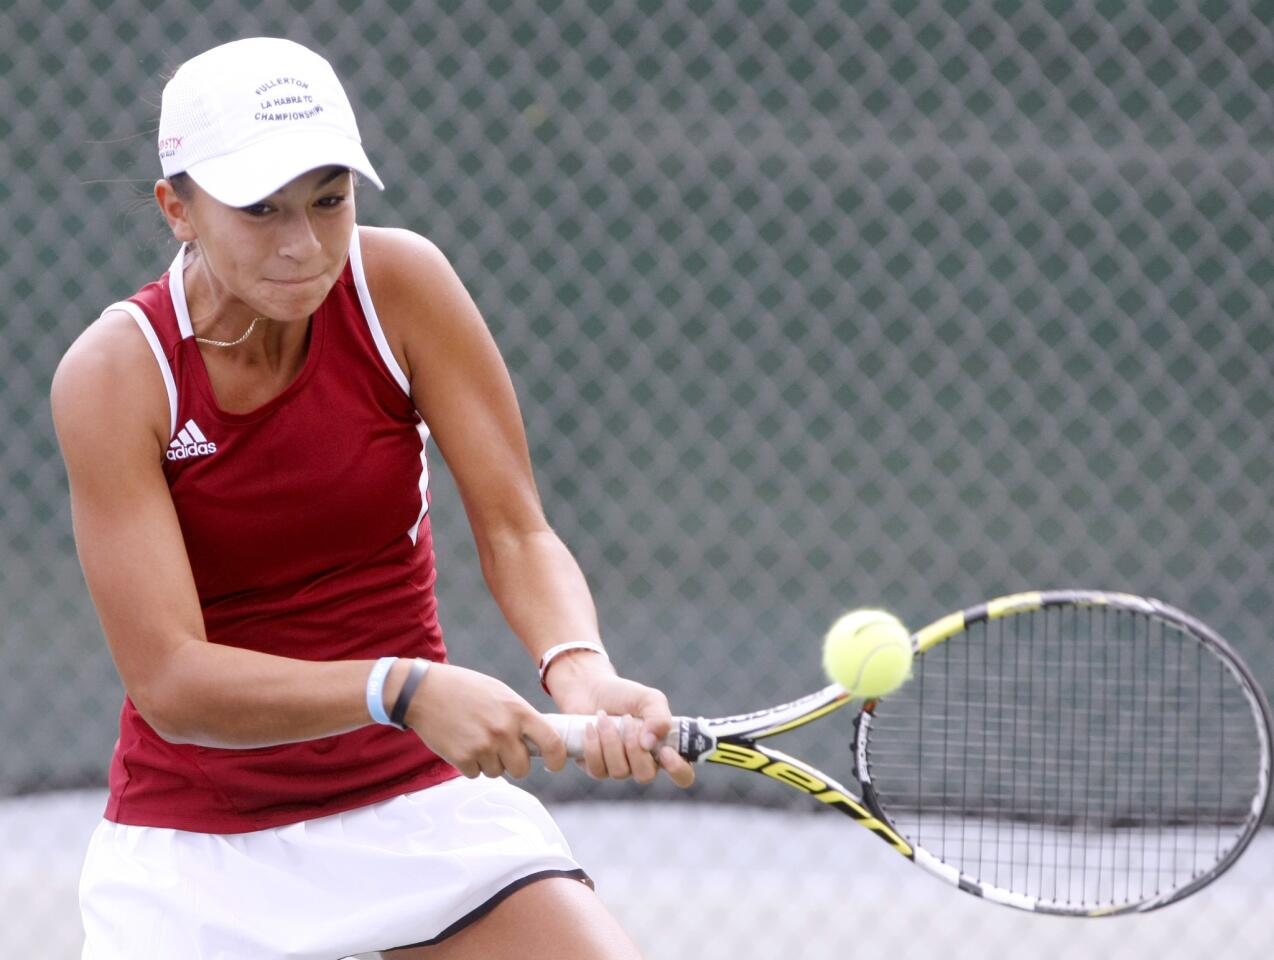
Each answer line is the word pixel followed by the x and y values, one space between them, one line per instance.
pixel 1066 752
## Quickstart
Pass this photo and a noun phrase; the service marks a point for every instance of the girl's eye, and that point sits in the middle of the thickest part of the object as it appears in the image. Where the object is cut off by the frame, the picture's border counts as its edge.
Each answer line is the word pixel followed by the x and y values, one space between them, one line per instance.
pixel 263 208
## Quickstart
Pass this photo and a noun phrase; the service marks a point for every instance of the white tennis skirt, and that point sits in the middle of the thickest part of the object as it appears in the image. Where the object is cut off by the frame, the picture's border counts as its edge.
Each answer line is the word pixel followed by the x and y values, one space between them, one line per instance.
pixel 410 870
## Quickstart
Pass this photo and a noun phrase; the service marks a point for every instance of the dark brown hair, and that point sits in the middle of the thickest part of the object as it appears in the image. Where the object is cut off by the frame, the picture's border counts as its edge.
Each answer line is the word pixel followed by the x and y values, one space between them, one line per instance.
pixel 181 186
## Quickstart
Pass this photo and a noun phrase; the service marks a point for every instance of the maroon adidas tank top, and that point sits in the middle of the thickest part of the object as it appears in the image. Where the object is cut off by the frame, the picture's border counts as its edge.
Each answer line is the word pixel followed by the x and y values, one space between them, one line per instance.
pixel 306 523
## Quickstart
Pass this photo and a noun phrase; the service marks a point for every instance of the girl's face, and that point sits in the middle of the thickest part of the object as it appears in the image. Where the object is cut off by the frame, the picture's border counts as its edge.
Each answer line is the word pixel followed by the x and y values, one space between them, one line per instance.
pixel 279 256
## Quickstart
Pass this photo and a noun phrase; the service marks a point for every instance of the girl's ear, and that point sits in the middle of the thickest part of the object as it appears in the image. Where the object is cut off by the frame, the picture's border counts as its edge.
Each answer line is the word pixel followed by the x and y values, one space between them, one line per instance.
pixel 175 210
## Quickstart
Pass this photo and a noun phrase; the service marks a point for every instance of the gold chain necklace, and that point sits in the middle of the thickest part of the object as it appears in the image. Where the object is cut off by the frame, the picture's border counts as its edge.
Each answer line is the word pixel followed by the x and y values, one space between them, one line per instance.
pixel 231 343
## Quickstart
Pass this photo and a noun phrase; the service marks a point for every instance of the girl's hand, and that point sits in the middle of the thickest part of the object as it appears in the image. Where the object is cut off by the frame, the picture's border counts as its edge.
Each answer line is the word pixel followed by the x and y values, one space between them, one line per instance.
pixel 477 723
pixel 631 720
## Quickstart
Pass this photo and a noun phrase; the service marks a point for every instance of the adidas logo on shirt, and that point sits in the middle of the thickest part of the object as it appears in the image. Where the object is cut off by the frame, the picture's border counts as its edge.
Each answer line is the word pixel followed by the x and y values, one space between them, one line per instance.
pixel 190 443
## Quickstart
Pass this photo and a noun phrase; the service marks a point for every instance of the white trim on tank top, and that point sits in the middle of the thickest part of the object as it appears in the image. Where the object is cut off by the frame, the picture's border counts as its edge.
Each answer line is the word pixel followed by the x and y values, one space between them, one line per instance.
pixel 391 364
pixel 373 319
pixel 177 290
pixel 148 331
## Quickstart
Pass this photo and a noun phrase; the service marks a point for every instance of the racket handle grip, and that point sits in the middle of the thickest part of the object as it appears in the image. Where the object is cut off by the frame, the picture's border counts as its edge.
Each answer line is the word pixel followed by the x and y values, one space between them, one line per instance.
pixel 685 736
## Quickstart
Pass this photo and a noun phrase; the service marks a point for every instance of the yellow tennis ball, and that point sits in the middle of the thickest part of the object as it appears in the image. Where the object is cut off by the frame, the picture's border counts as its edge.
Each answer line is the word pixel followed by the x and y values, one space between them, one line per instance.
pixel 868 652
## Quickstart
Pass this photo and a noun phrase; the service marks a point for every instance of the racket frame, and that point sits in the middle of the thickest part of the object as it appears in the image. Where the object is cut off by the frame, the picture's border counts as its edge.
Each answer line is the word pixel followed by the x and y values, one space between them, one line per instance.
pixel 734 741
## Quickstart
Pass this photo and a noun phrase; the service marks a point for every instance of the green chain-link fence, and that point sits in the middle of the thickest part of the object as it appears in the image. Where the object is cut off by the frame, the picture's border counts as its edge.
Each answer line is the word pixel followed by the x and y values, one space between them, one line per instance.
pixel 809 305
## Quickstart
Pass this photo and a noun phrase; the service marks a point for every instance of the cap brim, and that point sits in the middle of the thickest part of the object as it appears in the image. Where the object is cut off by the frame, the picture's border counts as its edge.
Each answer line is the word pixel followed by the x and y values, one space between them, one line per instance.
pixel 259 169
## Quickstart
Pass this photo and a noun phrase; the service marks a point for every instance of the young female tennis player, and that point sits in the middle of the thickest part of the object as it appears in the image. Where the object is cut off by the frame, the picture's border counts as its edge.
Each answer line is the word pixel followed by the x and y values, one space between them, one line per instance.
pixel 244 439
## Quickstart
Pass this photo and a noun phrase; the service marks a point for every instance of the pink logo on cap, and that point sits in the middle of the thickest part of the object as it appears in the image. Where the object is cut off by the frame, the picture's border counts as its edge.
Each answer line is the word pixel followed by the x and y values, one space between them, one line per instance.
pixel 169 146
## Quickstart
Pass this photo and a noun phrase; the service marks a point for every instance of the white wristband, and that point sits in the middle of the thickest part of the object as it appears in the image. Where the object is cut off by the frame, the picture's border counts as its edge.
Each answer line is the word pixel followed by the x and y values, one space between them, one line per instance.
pixel 376 689
pixel 552 653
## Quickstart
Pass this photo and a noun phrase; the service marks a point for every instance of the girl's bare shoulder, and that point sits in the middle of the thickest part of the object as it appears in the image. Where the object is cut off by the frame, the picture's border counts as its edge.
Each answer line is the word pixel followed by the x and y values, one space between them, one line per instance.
pixel 109 374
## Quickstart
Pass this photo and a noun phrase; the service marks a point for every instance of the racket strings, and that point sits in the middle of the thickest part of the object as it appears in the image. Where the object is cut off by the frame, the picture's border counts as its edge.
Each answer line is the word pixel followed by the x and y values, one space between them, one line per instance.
pixel 1084 756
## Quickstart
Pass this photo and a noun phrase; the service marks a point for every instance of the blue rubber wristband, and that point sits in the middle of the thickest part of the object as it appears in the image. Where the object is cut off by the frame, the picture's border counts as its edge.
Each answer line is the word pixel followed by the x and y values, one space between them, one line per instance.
pixel 376 689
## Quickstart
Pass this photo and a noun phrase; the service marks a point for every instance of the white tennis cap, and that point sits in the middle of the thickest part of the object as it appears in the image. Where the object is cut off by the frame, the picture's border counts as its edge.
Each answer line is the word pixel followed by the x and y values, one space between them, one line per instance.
pixel 247 117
